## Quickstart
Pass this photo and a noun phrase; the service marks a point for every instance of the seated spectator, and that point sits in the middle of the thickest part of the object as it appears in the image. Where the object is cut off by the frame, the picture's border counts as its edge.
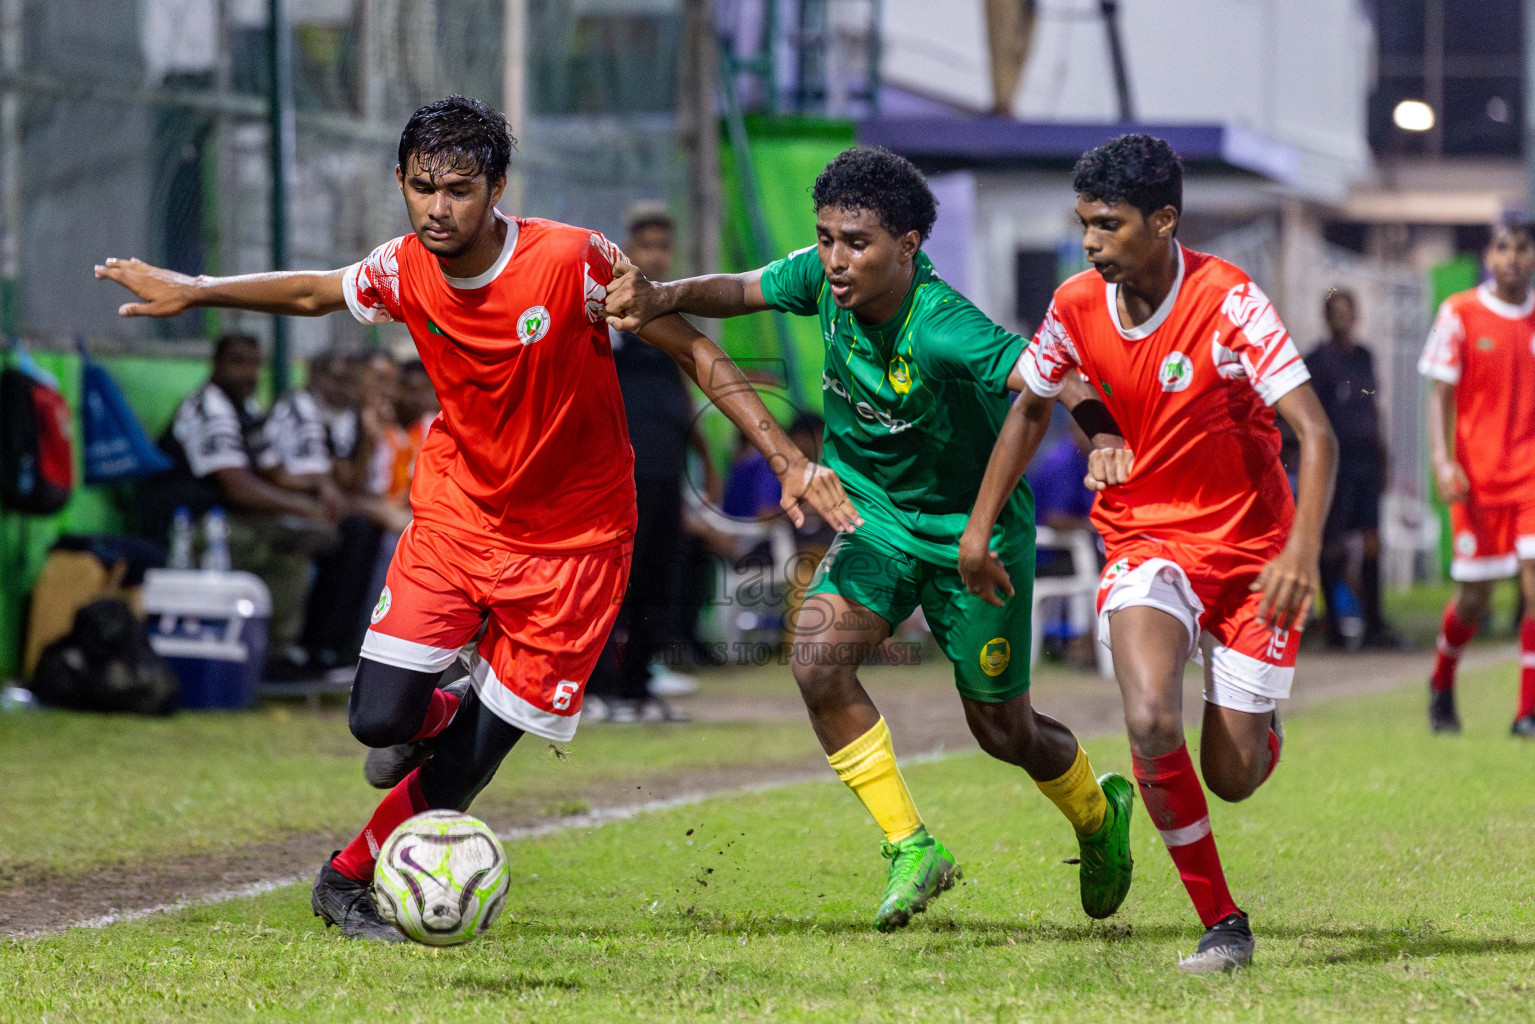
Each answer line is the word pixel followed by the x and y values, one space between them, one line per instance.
pixel 325 435
pixel 216 442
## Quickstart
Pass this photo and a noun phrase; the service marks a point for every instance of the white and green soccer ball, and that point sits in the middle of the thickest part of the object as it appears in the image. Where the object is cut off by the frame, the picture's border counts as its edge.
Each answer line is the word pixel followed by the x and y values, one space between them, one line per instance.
pixel 441 878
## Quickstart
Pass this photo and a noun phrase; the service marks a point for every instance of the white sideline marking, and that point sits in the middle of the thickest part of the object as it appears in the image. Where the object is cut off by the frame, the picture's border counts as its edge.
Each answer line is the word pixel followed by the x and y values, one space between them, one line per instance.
pixel 589 819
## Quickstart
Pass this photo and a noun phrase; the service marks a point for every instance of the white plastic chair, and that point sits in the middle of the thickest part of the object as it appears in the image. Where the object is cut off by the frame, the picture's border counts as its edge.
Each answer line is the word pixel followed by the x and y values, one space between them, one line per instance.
pixel 1080 588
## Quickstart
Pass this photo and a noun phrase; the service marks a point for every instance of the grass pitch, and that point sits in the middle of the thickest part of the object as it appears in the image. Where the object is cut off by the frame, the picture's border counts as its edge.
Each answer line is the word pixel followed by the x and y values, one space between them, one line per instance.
pixel 1385 870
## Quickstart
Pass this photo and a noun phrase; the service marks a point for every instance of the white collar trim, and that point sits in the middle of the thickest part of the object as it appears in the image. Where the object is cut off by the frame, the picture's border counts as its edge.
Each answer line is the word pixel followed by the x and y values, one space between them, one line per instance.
pixel 481 280
pixel 1507 310
pixel 1145 330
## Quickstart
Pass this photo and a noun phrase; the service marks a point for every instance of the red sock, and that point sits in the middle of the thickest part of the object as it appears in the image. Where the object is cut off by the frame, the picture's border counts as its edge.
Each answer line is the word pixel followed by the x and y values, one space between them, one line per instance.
pixel 1176 802
pixel 402 802
pixel 439 713
pixel 1275 746
pixel 1527 666
pixel 1454 635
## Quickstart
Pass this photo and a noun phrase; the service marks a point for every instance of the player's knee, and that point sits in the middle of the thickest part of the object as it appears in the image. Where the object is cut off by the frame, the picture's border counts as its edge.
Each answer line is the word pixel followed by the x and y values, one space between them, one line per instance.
pixel 1471 601
pixel 379 727
pixel 818 681
pixel 1233 787
pixel 1154 728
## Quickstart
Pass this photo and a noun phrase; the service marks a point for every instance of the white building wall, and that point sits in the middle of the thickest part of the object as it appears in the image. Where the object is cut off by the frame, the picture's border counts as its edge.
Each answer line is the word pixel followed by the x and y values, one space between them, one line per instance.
pixel 1294 70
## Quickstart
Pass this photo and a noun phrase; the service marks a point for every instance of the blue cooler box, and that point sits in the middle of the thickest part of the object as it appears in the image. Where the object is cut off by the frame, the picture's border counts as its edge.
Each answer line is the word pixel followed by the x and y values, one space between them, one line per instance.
pixel 211 627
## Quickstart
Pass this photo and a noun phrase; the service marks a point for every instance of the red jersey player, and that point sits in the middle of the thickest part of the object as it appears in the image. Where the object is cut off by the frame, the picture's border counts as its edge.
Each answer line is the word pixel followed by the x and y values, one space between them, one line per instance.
pixel 1207 554
pixel 523 491
pixel 1481 358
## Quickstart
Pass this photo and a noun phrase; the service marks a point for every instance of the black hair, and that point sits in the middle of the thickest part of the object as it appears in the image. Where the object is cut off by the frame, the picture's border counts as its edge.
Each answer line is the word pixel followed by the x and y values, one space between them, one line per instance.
pixel 875 179
pixel 1335 294
pixel 411 366
pixel 1515 222
pixel 228 342
pixel 458 133
pixel 1141 170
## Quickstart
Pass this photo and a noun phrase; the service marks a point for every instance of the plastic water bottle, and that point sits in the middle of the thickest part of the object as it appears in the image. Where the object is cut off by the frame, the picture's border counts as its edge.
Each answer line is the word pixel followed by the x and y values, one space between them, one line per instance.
pixel 181 539
pixel 14 699
pixel 215 541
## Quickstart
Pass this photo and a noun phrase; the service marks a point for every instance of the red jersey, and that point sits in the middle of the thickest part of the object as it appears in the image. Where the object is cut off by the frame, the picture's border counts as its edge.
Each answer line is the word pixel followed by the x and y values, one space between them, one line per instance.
pixel 1486 348
pixel 1192 389
pixel 531 451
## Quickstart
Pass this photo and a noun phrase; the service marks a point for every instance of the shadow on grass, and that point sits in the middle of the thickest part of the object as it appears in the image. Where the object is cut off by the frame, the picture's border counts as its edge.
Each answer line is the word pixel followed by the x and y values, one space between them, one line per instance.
pixel 1339 944
pixel 512 984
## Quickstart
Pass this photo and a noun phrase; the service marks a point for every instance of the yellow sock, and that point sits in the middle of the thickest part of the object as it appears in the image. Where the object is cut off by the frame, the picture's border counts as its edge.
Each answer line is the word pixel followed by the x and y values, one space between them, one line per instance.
pixel 868 767
pixel 1078 795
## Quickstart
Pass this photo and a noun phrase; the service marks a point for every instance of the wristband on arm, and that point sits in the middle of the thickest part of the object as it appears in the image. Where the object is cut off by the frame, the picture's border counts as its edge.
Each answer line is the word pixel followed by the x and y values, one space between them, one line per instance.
pixel 1094 419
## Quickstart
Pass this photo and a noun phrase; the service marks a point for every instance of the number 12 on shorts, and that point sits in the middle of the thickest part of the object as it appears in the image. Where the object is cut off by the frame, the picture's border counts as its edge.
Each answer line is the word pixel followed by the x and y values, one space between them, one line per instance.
pixel 563 694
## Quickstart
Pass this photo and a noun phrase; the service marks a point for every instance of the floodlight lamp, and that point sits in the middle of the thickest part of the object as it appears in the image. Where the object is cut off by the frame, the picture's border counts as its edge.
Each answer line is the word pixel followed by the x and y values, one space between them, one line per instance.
pixel 1413 116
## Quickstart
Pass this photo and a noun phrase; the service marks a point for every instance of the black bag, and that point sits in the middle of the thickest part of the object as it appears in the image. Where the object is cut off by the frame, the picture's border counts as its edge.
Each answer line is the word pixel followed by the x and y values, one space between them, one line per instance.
pixel 37 468
pixel 105 664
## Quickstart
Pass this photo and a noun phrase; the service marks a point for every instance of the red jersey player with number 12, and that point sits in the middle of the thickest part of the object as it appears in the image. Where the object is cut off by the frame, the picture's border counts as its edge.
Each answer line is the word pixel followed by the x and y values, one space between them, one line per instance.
pixel 1207 554
pixel 1481 357
pixel 523 492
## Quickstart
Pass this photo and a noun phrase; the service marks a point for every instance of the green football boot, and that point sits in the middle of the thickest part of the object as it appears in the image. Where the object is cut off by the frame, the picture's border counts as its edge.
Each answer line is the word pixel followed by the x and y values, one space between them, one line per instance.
pixel 920 869
pixel 1106 862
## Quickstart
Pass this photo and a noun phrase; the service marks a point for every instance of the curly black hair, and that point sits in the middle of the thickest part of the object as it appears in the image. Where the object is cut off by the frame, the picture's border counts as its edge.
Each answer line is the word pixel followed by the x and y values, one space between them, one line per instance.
pixel 458 133
pixel 1515 222
pixel 1141 170
pixel 873 178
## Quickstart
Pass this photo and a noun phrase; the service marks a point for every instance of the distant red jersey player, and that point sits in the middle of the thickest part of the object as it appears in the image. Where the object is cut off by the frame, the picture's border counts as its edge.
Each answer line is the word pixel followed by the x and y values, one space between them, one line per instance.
pixel 1481 357
pixel 1208 556
pixel 523 494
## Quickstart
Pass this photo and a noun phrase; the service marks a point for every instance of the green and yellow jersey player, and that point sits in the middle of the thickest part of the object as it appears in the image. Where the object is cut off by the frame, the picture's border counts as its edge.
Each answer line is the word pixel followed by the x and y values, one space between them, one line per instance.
pixel 915 385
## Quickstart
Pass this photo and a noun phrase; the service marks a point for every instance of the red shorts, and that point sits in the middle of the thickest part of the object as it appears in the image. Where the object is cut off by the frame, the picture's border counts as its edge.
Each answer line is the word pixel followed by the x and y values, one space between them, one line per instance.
pixel 1205 586
pixel 1490 541
pixel 546 618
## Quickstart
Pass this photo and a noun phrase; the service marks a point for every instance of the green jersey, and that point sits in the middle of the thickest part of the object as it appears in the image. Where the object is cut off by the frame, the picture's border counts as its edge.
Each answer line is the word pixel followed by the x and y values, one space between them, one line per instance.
pixel 913 406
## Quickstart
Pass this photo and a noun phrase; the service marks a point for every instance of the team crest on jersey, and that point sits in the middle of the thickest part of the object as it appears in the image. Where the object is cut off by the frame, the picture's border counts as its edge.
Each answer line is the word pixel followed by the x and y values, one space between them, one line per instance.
pixel 1177 372
pixel 995 655
pixel 1465 544
pixel 382 608
pixel 532 325
pixel 1484 343
pixel 900 375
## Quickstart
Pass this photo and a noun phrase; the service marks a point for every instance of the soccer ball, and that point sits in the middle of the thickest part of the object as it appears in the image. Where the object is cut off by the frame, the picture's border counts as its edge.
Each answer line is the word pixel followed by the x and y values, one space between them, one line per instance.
pixel 441 878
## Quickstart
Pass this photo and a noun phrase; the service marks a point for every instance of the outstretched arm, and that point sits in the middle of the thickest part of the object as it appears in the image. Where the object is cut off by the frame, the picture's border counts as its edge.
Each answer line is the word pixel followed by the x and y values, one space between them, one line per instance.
pixel 164 292
pixel 634 300
pixel 1022 431
pixel 1289 582
pixel 727 387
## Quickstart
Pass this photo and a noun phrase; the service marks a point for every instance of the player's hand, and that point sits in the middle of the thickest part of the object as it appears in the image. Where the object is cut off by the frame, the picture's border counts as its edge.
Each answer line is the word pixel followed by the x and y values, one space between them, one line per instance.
pixel 1108 467
pixel 162 292
pixel 804 481
pixel 1288 584
pixel 633 299
pixel 981 569
pixel 1450 476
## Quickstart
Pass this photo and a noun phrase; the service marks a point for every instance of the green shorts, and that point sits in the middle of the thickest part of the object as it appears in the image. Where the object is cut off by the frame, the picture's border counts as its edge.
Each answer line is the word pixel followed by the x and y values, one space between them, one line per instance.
pixel 988 646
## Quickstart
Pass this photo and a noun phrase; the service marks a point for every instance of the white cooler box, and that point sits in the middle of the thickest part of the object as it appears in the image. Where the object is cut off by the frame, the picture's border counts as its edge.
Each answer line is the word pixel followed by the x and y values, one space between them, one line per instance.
pixel 211 627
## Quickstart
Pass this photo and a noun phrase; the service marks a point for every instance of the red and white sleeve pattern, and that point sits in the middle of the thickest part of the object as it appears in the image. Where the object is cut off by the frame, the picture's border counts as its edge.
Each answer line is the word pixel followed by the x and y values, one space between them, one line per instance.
pixel 372 287
pixel 601 257
pixel 1262 346
pixel 1047 359
pixel 1445 349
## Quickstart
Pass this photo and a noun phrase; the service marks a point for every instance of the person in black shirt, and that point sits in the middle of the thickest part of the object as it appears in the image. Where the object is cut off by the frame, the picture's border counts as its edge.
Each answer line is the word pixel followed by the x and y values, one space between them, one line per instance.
pixel 659 410
pixel 1343 374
